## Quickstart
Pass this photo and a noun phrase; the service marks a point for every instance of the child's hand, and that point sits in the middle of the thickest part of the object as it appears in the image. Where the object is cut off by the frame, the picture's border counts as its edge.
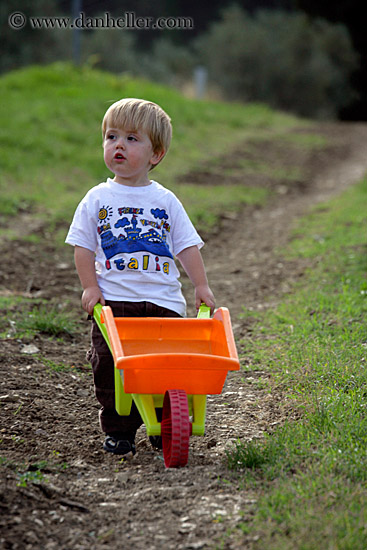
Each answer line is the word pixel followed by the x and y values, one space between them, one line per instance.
pixel 204 294
pixel 90 297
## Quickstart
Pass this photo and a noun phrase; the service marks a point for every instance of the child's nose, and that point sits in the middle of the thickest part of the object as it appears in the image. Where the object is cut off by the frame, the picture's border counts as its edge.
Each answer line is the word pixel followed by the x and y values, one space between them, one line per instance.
pixel 120 143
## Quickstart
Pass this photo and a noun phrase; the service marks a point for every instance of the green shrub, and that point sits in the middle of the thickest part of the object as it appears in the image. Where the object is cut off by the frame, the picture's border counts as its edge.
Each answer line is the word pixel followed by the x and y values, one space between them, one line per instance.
pixel 167 63
pixel 284 59
pixel 112 50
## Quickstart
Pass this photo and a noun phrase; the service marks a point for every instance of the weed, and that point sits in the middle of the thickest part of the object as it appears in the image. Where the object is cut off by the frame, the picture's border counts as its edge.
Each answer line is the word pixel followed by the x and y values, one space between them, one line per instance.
pixel 47 320
pixel 10 206
pixel 104 537
pixel 18 409
pixel 30 477
pixel 17 439
pixel 53 367
pixel 251 454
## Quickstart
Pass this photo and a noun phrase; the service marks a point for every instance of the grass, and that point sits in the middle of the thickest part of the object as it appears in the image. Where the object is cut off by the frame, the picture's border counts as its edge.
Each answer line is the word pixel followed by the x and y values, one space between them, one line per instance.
pixel 312 473
pixel 210 204
pixel 25 317
pixel 53 367
pixel 49 320
pixel 51 140
pixel 254 167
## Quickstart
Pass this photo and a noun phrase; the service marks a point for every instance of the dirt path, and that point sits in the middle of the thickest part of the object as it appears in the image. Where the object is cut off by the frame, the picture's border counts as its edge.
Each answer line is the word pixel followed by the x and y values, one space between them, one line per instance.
pixel 75 496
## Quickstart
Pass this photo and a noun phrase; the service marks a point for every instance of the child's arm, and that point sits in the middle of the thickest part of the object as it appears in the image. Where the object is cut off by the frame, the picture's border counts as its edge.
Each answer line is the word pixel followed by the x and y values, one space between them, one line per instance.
pixel 192 262
pixel 84 262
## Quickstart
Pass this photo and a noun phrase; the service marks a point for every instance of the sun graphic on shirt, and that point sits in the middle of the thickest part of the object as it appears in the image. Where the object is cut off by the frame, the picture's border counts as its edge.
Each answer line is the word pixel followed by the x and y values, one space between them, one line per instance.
pixel 104 213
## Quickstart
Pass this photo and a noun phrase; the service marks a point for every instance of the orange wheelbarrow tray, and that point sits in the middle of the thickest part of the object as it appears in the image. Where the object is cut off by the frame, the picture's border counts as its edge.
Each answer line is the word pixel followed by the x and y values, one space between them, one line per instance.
pixel 173 363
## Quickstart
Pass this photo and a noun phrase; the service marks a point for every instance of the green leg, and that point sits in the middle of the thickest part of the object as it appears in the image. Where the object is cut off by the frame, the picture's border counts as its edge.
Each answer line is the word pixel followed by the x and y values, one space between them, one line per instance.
pixel 199 412
pixel 145 406
pixel 123 401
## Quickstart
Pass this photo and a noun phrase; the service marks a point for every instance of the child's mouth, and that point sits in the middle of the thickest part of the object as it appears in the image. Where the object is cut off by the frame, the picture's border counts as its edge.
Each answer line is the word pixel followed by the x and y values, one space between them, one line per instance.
pixel 119 156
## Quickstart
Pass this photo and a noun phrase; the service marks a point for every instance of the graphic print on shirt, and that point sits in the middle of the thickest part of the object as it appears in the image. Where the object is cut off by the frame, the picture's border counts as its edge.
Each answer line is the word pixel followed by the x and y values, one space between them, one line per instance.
pixel 131 238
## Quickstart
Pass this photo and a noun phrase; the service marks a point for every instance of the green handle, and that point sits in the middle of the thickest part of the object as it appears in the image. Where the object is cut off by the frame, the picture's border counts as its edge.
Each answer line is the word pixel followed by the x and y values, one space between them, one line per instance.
pixel 97 312
pixel 204 312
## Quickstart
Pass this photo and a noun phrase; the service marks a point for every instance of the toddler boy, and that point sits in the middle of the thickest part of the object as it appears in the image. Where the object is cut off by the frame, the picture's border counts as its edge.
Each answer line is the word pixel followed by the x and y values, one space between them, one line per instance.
pixel 126 233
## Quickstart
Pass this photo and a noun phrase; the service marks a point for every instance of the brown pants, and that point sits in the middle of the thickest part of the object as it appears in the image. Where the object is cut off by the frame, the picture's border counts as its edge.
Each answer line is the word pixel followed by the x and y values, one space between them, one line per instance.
pixel 103 369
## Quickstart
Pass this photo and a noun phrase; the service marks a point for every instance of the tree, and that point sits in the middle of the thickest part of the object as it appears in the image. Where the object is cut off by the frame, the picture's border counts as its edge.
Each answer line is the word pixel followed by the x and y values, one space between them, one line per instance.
pixel 285 59
pixel 25 46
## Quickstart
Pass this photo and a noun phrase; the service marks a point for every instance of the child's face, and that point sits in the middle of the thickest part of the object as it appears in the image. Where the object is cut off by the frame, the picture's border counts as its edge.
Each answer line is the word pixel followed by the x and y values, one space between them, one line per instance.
pixel 129 155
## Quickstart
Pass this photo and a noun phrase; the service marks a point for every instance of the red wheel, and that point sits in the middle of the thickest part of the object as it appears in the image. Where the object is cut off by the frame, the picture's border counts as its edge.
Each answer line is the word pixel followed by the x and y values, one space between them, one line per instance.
pixel 176 428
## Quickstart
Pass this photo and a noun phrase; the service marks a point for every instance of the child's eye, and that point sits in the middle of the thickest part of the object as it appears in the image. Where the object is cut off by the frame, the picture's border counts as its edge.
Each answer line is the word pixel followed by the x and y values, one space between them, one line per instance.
pixel 132 138
pixel 111 136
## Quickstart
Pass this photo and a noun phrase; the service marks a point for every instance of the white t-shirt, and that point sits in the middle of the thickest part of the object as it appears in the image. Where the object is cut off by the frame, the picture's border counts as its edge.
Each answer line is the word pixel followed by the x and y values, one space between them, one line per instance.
pixel 135 233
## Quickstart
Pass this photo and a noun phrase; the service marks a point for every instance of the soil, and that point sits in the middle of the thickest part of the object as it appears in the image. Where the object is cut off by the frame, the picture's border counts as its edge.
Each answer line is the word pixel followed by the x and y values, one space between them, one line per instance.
pixel 59 490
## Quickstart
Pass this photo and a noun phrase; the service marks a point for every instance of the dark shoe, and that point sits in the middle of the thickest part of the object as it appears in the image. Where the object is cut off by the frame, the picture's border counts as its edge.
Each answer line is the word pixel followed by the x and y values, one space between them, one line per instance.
pixel 156 441
pixel 119 445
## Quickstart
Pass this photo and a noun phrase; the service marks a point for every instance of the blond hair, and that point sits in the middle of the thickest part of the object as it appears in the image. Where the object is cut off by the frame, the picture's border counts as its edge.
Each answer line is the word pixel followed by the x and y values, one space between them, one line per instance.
pixel 139 114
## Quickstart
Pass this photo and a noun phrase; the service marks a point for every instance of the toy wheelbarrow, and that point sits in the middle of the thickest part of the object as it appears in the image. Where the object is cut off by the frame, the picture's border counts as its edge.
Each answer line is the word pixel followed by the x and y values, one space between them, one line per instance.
pixel 172 363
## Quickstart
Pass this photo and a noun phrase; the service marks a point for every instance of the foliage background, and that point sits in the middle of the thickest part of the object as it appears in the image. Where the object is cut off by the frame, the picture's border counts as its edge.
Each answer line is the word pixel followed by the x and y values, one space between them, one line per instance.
pixel 291 54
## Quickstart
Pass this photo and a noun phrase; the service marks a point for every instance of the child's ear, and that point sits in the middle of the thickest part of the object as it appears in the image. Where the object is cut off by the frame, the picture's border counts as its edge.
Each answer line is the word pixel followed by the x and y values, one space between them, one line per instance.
pixel 157 157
